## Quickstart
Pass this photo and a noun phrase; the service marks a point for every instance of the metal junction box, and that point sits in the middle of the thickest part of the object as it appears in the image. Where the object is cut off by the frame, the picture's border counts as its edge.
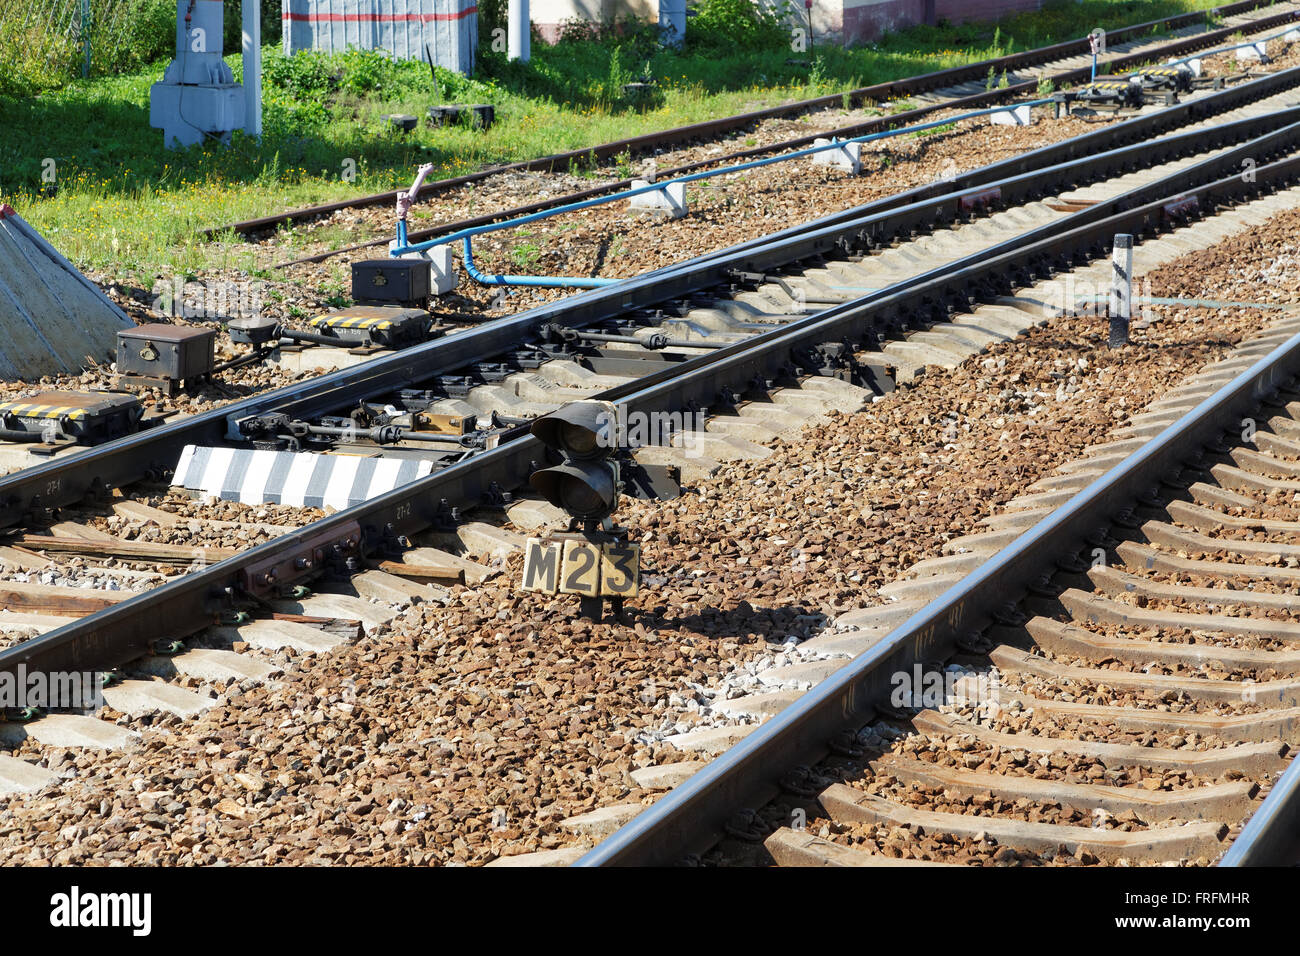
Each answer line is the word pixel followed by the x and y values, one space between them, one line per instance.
pixel 375 326
pixel 160 351
pixel 86 417
pixel 391 280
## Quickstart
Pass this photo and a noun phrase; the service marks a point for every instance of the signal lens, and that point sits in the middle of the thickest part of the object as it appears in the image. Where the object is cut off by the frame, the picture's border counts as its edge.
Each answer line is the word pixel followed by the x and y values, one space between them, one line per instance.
pixel 579 441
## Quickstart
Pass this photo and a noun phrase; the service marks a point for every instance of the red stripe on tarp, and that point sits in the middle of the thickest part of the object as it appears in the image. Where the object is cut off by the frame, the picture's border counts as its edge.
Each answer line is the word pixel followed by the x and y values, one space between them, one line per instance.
pixel 376 17
pixel 6 211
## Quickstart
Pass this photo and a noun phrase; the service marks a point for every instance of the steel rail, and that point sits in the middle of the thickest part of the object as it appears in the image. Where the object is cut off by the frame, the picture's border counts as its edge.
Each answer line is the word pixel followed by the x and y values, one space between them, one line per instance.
pixel 691 817
pixel 883 124
pixel 118 634
pixel 70 478
pixel 1271 837
pixel 711 128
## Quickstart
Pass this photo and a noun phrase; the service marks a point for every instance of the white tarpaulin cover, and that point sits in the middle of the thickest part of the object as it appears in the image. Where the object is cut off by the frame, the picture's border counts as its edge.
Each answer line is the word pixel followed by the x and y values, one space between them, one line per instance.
pixel 444 32
pixel 51 316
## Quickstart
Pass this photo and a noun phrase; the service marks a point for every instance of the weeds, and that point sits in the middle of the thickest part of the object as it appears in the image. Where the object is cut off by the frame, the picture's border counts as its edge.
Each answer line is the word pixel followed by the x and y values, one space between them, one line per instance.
pixel 323 138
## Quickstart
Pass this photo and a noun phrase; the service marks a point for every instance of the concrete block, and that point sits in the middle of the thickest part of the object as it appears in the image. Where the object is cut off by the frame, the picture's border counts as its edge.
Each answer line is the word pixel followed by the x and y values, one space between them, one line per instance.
pixel 1012 116
pixel 534 513
pixel 209 665
pixel 564 857
pixel 668 201
pixel 273 635
pixel 845 156
pixel 805 674
pixel 665 776
pixel 19 776
pixel 710 740
pixel 478 537
pixel 757 705
pixel 71 730
pixel 391 589
pixel 600 823
pixel 138 697
pixel 342 607
pixel 51 316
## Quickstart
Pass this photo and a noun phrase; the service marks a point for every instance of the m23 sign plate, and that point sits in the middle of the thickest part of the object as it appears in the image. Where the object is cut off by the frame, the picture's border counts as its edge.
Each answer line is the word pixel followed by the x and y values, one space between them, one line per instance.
pixel 585 568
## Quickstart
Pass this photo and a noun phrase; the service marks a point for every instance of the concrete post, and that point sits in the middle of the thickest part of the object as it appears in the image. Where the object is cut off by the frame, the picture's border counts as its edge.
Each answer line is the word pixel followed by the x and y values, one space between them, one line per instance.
pixel 1121 290
pixel 85 36
pixel 252 49
pixel 518 38
pixel 672 22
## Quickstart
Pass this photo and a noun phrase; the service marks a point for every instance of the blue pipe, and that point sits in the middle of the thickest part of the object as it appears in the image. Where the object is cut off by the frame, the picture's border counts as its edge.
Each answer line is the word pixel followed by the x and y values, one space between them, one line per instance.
pixel 544 282
pixel 1238 46
pixel 403 247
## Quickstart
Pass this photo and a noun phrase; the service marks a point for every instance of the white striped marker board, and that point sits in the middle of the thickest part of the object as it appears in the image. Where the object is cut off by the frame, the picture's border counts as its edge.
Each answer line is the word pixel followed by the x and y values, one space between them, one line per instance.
pixel 298 479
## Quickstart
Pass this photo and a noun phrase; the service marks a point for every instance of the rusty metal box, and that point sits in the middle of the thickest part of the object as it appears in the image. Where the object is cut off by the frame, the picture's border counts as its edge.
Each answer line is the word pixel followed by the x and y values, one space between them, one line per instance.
pixel 176 352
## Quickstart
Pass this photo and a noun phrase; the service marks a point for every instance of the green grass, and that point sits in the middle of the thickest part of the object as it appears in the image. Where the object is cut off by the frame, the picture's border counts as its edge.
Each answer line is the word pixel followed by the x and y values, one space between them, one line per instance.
pixel 126 206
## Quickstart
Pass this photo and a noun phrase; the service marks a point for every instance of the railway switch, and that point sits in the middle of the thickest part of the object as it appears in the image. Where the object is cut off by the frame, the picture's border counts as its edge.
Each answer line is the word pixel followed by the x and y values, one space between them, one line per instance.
pixel 360 328
pixel 1165 78
pixel 255 331
pixel 1117 93
pixel 370 326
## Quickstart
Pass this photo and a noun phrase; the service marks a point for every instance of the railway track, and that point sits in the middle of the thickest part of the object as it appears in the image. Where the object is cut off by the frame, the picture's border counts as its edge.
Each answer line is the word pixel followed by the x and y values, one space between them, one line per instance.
pixel 718 302
pixel 232 605
pixel 1136 704
pixel 963 88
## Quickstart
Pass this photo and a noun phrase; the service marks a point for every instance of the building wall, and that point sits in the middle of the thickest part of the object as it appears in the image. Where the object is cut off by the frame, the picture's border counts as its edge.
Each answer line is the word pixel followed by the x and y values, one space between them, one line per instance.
pixel 843 21
pixel 549 16
pixel 444 30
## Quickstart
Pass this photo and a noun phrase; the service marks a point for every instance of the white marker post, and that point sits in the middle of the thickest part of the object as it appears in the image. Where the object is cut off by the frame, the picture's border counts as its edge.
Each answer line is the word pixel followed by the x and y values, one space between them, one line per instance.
pixel 1121 290
pixel 1256 52
pixel 518 38
pixel 252 50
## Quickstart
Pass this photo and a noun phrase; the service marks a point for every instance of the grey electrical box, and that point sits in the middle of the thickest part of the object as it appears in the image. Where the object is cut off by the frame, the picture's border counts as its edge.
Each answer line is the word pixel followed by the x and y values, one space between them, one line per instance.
pixel 391 280
pixel 161 351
